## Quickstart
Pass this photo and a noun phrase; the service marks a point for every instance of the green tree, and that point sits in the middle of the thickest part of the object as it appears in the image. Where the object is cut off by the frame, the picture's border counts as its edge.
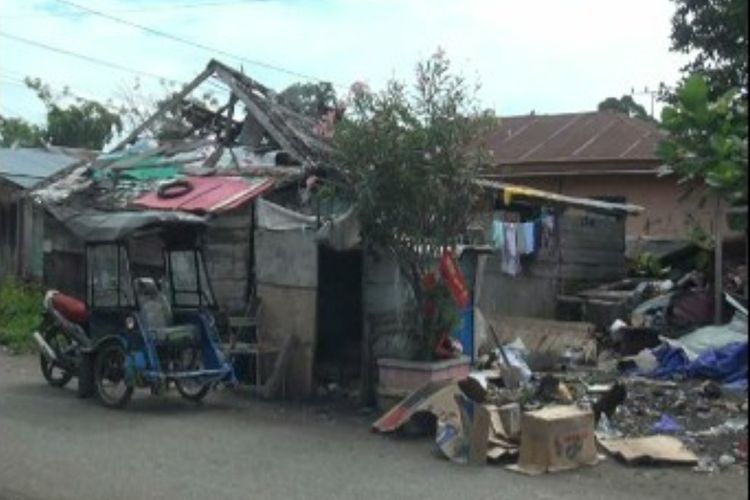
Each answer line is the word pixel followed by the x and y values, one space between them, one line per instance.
pixel 708 139
pixel 309 99
pixel 411 156
pixel 16 131
pixel 82 123
pixel 625 105
pixel 716 32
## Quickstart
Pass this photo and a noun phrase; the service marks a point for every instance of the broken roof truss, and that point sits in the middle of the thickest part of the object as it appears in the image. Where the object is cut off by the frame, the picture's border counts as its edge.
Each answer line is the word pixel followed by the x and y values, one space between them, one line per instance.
pixel 267 124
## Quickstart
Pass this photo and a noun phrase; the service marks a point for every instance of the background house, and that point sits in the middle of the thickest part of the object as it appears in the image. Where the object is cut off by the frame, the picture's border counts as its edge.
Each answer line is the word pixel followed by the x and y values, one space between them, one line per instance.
pixel 603 155
pixel 21 223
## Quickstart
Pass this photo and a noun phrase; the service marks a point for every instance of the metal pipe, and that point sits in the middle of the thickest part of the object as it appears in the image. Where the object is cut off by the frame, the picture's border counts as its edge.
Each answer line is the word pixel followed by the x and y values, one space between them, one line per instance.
pixel 46 349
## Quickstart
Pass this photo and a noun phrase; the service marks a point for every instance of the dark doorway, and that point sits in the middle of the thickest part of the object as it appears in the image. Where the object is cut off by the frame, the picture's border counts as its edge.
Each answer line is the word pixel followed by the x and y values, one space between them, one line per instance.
pixel 338 351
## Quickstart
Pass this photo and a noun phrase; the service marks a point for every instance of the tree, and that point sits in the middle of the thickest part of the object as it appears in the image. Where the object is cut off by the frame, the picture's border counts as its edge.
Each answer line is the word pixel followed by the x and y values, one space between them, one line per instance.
pixel 309 99
pixel 625 105
pixel 716 32
pixel 19 132
pixel 82 123
pixel 411 157
pixel 708 139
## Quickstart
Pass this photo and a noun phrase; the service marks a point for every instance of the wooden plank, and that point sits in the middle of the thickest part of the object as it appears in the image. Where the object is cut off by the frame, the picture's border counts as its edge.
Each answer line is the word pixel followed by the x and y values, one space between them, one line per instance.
pixel 256 112
pixel 166 107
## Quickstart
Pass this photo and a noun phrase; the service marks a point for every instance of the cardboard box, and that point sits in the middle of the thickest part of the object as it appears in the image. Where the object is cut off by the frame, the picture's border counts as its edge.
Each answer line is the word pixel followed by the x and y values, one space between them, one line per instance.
pixel 556 438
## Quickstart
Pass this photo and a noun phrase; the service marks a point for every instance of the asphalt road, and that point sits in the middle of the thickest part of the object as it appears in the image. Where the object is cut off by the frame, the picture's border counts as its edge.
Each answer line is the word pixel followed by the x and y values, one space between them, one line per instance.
pixel 55 446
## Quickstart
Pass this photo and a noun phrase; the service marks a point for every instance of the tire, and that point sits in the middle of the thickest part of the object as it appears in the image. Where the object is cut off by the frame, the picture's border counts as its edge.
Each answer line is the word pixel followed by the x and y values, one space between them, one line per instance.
pixel 189 389
pixel 195 394
pixel 63 375
pixel 174 189
pixel 109 376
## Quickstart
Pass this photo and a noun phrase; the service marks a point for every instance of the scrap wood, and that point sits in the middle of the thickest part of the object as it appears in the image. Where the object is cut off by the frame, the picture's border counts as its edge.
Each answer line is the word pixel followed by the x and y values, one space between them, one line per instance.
pixel 275 381
pixel 666 449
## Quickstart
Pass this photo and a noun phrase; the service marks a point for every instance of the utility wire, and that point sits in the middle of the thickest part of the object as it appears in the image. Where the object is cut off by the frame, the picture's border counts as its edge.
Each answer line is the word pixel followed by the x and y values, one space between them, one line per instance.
pixel 201 46
pixel 162 8
pixel 84 57
pixel 20 83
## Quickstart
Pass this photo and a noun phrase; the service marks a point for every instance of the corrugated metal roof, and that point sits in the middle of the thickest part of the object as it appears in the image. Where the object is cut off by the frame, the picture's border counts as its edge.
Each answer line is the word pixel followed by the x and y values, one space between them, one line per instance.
pixel 573 138
pixel 210 194
pixel 28 166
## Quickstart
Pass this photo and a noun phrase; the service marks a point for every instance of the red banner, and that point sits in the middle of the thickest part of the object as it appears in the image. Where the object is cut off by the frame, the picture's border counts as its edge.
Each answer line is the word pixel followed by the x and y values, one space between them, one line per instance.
pixel 454 278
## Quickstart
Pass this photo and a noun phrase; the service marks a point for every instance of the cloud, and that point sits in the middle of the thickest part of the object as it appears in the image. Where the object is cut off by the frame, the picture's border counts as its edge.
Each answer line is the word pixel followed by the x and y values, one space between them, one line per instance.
pixel 545 55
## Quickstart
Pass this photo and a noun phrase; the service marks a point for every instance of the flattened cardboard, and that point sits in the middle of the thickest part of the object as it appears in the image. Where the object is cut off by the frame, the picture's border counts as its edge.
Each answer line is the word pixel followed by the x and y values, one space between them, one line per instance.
pixel 651 449
pixel 434 397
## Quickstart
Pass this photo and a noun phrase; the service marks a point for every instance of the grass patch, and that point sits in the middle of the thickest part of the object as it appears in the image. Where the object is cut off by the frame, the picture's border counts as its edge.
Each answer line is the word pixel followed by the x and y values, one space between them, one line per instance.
pixel 20 314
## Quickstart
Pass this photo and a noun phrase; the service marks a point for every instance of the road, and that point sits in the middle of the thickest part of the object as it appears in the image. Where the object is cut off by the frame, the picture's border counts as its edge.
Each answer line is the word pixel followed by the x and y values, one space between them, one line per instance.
pixel 55 446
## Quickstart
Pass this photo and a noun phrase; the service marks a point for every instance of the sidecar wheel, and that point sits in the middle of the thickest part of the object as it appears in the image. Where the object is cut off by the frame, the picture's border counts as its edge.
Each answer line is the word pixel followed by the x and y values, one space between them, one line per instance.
pixel 109 376
pixel 192 391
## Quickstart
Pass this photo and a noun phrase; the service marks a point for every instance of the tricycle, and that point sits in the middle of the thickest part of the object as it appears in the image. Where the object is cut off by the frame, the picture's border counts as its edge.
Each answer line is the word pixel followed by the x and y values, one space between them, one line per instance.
pixel 152 330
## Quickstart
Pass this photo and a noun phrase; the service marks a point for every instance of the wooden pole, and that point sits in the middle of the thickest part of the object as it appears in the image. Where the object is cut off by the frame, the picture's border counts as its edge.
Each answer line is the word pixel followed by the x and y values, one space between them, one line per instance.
pixel 718 263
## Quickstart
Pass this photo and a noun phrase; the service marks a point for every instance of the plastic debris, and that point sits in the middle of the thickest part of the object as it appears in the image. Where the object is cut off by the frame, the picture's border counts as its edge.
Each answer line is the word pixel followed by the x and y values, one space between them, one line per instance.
pixel 667 425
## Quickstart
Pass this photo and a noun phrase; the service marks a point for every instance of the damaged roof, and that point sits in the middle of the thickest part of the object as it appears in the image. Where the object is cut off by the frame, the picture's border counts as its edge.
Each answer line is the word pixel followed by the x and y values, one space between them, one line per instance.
pixel 565 141
pixel 225 163
pixel 26 167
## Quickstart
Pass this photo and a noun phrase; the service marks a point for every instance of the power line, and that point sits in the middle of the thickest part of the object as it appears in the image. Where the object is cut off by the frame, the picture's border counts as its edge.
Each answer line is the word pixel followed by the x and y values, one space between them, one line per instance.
pixel 84 57
pixel 201 46
pixel 161 8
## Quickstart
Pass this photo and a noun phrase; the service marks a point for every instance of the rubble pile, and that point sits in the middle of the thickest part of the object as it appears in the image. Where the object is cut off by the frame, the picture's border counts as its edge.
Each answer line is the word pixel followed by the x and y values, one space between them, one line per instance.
pixel 667 386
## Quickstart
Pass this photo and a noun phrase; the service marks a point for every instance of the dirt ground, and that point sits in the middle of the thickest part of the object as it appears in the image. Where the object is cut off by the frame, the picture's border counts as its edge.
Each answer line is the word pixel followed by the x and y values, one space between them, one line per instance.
pixel 55 446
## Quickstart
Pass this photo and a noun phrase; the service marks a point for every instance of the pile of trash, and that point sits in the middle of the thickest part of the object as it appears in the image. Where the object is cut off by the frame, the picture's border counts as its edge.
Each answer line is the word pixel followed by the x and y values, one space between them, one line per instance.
pixel 666 386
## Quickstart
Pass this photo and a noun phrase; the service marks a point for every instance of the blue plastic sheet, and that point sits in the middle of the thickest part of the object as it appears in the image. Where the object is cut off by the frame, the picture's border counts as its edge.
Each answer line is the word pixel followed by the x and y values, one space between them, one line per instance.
pixel 727 364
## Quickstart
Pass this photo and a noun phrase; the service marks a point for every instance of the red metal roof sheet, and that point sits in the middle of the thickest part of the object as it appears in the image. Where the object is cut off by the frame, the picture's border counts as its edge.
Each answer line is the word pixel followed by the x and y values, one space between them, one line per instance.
pixel 210 194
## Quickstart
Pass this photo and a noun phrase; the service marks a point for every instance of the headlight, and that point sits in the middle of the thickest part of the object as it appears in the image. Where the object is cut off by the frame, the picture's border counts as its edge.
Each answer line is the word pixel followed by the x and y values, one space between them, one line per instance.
pixel 129 323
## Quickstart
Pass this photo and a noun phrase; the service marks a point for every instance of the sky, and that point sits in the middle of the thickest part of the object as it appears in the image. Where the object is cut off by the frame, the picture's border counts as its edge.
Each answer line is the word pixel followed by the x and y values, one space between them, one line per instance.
pixel 549 56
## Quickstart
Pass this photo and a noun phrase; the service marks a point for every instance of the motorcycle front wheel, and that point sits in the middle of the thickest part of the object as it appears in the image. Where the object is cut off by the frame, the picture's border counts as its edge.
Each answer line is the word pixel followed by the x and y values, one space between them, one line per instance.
pixel 109 376
pixel 55 374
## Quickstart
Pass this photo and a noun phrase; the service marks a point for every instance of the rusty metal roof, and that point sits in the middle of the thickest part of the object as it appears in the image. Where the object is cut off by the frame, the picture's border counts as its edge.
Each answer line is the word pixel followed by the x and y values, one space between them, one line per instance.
pixel 600 136
pixel 209 194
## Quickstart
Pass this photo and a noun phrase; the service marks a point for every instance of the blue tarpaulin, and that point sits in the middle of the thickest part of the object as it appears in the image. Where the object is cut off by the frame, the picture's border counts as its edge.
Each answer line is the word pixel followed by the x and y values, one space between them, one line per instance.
pixel 727 364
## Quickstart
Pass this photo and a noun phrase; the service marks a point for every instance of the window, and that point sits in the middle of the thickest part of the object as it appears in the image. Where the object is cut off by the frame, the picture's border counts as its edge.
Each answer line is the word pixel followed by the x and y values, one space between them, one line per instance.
pixel 110 284
pixel 188 279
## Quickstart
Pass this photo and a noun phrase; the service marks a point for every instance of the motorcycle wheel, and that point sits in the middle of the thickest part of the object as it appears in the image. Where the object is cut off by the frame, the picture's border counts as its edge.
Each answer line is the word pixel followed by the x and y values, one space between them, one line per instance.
pixel 109 376
pixel 54 374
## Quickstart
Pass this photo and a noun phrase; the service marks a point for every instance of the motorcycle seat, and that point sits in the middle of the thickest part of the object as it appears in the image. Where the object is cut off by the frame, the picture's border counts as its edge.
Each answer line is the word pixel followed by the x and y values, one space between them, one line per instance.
pixel 70 308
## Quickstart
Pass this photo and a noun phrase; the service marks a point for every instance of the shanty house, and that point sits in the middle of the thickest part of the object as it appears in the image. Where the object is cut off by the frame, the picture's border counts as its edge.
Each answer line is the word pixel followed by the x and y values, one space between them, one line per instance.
pixel 600 155
pixel 21 224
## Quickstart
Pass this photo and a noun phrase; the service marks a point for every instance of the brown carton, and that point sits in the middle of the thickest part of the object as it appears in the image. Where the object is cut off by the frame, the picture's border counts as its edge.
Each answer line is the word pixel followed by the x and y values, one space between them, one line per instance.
pixel 556 438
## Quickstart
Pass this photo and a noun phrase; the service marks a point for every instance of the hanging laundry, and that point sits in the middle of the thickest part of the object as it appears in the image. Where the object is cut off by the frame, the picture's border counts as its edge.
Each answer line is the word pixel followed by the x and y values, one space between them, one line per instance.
pixel 520 240
pixel 537 235
pixel 498 235
pixel 510 262
pixel 548 230
pixel 527 235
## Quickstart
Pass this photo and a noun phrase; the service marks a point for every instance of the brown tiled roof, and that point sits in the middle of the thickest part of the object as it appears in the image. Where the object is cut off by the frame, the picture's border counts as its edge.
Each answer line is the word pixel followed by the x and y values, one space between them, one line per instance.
pixel 573 138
